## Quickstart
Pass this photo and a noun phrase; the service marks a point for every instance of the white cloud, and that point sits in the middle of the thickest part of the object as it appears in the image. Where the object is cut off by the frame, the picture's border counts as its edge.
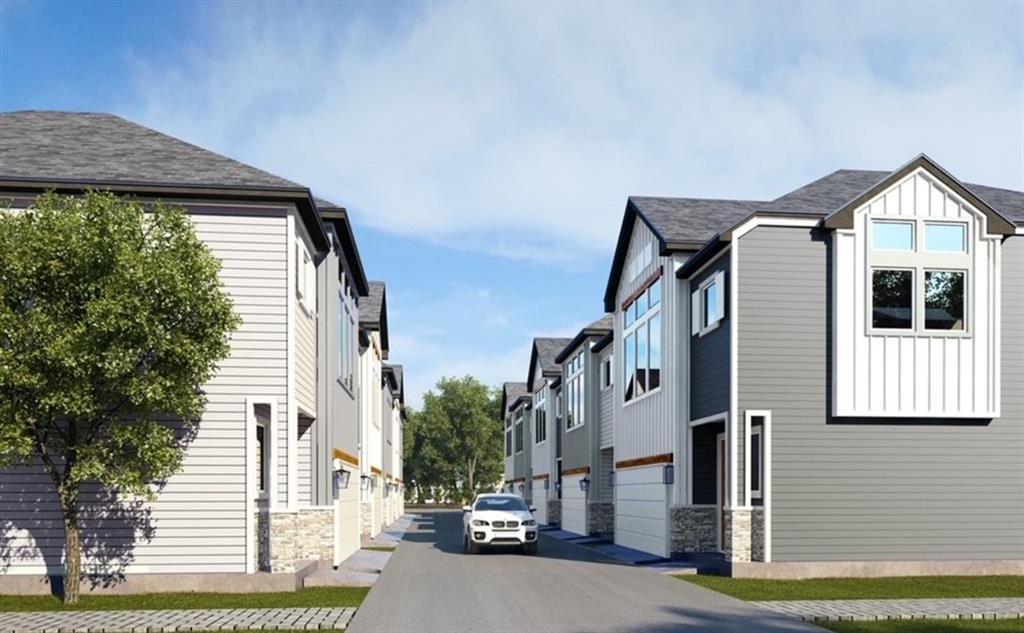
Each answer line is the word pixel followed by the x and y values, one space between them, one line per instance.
pixel 513 127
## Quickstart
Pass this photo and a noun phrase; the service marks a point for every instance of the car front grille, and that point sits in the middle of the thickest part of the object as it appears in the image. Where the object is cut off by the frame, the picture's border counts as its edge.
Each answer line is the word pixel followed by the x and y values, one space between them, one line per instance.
pixel 512 524
pixel 498 524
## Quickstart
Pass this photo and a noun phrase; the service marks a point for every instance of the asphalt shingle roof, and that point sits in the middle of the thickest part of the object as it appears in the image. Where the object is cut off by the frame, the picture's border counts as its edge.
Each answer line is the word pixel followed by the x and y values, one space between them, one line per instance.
pixel 692 219
pixel 513 391
pixel 547 350
pixel 831 192
pixel 106 148
pixel 371 307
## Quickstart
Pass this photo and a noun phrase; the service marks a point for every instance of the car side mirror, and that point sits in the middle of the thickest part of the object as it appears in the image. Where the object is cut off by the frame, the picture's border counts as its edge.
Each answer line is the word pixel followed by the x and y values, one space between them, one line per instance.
pixel 466 509
pixel 533 508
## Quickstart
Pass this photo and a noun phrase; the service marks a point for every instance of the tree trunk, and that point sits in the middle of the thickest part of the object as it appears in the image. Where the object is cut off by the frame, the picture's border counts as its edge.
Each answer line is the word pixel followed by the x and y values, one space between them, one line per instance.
pixel 72 547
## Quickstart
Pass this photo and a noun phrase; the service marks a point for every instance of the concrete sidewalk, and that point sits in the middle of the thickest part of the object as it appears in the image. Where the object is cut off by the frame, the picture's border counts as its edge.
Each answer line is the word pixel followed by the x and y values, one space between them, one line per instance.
pixel 363 568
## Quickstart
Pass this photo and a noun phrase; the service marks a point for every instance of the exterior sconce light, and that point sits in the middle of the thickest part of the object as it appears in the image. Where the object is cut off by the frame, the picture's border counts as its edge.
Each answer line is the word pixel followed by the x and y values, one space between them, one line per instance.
pixel 341 476
pixel 522 488
pixel 611 479
pixel 547 484
pixel 584 484
pixel 364 482
pixel 668 474
pixel 558 487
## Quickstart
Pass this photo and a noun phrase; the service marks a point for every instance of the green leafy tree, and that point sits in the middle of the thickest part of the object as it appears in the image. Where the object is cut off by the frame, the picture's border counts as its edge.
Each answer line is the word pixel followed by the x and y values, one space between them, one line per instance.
pixel 455 442
pixel 112 317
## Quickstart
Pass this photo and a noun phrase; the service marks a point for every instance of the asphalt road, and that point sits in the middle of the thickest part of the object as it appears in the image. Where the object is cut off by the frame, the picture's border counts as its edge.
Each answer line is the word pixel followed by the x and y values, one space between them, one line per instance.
pixel 431 586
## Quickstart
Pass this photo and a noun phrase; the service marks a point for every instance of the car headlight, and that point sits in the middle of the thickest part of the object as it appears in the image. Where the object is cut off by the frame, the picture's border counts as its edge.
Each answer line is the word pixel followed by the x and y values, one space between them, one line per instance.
pixel 529 522
pixel 480 522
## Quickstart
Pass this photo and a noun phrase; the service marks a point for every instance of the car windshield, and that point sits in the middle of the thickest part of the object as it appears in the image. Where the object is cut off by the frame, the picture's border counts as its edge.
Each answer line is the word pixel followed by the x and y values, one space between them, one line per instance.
pixel 509 504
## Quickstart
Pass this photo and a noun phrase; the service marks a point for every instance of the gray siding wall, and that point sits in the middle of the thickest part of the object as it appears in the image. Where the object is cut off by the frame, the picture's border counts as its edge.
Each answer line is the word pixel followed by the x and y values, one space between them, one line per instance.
pixel 198 520
pixel 709 354
pixel 338 423
pixel 580 445
pixel 881 489
pixel 607 404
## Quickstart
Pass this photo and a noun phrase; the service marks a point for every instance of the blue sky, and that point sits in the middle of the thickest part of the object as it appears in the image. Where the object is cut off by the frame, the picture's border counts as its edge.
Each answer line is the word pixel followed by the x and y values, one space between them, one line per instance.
pixel 486 150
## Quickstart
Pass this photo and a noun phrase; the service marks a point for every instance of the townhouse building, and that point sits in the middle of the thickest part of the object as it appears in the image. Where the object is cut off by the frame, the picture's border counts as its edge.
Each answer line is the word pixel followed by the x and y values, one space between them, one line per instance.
pixel 394 420
pixel 511 395
pixel 373 351
pixel 828 383
pixel 269 486
pixel 586 462
pixel 542 430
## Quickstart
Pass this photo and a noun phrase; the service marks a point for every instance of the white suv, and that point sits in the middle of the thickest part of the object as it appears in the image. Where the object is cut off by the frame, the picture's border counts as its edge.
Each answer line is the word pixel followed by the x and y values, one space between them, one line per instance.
pixel 496 519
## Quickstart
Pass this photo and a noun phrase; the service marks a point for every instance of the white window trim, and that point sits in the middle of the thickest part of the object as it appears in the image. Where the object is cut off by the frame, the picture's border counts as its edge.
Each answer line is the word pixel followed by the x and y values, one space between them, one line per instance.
pixel 766 473
pixel 629 331
pixel 756 493
pixel 698 327
pixel 516 425
pixel 608 372
pixel 305 278
pixel 539 406
pixel 919 261
pixel 569 380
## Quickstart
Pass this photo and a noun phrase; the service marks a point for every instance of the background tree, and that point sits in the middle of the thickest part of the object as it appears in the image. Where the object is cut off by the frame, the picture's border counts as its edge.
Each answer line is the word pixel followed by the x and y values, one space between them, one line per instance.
pixel 112 317
pixel 454 444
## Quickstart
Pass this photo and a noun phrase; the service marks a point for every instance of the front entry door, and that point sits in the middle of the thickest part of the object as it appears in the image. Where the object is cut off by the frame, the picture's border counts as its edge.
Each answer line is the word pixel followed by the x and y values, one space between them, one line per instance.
pixel 721 489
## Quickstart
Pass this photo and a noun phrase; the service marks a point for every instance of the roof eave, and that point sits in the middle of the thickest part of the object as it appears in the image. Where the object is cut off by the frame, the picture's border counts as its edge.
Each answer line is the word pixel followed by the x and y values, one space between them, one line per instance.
pixel 999 224
pixel 340 219
pixel 300 196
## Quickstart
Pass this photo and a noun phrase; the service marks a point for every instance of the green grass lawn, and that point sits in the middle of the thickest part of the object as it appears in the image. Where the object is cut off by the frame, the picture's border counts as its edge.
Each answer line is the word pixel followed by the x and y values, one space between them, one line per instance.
pixel 312 597
pixel 865 588
pixel 926 626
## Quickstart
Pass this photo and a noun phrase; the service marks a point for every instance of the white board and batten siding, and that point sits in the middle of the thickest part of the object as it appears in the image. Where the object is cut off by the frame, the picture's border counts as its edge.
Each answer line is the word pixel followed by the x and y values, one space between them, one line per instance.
pixel 574 505
pixel 888 374
pixel 645 427
pixel 199 520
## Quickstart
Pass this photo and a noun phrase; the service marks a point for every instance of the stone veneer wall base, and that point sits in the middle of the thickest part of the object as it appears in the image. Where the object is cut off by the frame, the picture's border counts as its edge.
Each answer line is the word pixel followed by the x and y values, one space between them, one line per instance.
pixel 694 529
pixel 737 535
pixel 554 512
pixel 600 517
pixel 307 534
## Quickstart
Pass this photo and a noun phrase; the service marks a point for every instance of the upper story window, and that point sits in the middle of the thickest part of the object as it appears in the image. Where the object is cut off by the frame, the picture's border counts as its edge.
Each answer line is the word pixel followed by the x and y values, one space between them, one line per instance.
pixel 508 436
pixel 575 383
pixel 641 343
pixel 346 342
pixel 519 431
pixel 708 305
pixel 305 278
pixel 641 260
pixel 919 276
pixel 558 408
pixel 607 372
pixel 540 416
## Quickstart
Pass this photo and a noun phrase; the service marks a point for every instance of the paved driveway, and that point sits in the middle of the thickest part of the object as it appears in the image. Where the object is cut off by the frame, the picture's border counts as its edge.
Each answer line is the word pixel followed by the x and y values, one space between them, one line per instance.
pixel 430 586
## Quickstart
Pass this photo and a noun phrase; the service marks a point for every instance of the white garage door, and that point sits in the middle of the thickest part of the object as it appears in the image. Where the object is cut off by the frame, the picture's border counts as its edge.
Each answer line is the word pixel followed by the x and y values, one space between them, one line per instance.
pixel 641 510
pixel 574 505
pixel 540 499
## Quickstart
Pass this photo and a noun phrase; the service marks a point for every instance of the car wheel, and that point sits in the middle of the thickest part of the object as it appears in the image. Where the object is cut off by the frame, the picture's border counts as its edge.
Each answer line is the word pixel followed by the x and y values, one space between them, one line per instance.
pixel 465 543
pixel 474 548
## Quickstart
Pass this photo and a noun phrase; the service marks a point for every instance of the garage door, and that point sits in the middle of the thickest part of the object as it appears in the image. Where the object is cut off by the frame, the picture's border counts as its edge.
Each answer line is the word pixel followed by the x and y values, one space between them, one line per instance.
pixel 574 505
pixel 641 510
pixel 540 499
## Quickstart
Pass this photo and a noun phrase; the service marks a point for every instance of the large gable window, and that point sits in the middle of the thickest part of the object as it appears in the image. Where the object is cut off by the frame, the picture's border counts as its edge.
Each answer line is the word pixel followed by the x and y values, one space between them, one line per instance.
pixel 641 363
pixel 540 416
pixel 919 276
pixel 519 431
pixel 575 382
pixel 508 437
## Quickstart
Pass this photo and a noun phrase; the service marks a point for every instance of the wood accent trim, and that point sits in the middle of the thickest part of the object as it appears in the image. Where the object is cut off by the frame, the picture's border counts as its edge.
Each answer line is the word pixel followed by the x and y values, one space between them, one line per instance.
pixel 664 458
pixel 544 476
pixel 582 470
pixel 518 480
pixel 346 457
pixel 376 471
pixel 643 287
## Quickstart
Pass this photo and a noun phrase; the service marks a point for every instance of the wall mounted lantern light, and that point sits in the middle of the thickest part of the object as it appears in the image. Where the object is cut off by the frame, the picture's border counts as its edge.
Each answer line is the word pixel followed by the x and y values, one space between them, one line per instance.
pixel 584 484
pixel 611 479
pixel 547 484
pixel 558 487
pixel 668 474
pixel 522 487
pixel 364 482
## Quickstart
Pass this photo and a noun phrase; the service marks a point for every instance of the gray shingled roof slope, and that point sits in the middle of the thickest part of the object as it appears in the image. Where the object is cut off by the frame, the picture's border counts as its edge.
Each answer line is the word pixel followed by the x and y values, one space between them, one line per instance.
pixel 513 391
pixel 371 306
pixel 547 350
pixel 831 192
pixel 106 148
pixel 605 323
pixel 692 219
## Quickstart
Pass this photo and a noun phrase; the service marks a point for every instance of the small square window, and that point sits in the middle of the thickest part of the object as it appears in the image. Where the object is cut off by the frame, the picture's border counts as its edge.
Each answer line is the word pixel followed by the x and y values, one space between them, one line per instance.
pixel 893 236
pixel 943 300
pixel 892 299
pixel 945 238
